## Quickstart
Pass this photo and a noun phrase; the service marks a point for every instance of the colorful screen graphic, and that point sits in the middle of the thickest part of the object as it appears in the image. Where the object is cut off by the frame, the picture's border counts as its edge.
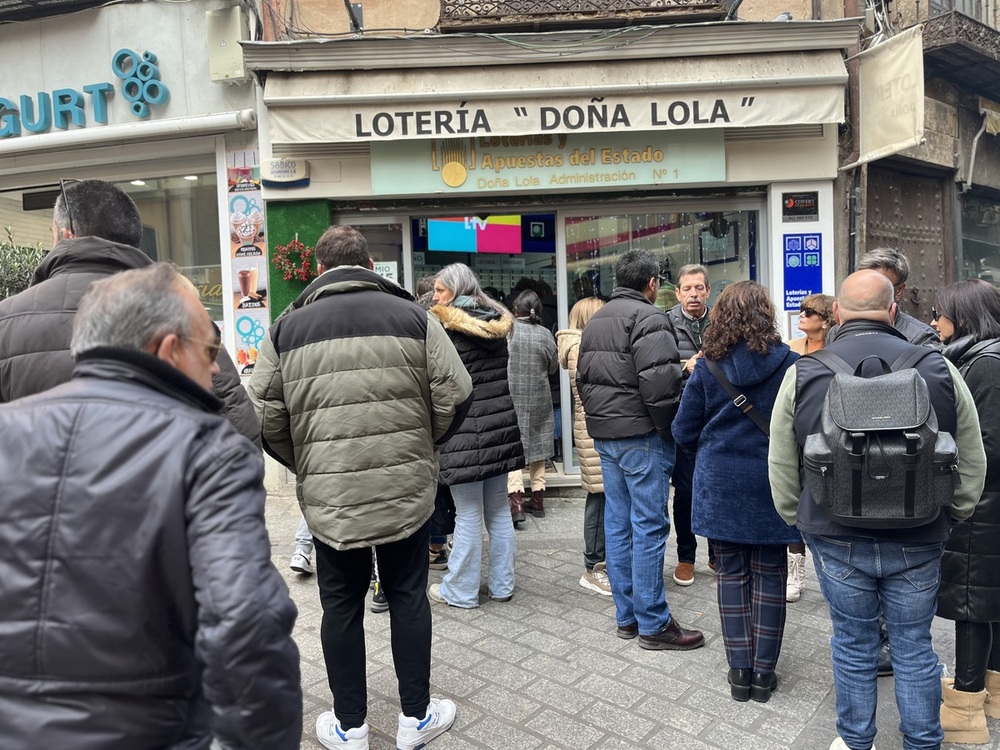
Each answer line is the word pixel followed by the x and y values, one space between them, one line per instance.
pixel 471 234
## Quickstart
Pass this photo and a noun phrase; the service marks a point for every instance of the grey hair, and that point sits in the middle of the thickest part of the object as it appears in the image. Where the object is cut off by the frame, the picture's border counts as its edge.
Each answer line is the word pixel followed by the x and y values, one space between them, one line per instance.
pixel 131 310
pixel 461 281
pixel 691 269
pixel 888 259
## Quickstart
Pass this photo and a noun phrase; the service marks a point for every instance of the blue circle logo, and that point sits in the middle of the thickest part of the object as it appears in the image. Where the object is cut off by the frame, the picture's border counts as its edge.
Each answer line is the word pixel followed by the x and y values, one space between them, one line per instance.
pixel 141 84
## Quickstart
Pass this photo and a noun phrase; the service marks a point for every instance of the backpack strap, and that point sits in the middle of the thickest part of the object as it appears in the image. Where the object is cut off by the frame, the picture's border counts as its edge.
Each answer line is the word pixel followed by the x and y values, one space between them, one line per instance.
pixel 739 400
pixel 831 361
pixel 906 360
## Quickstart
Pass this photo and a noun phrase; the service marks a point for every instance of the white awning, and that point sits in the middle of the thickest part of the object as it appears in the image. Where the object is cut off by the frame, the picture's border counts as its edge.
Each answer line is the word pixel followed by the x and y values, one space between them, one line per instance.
pixel 731 91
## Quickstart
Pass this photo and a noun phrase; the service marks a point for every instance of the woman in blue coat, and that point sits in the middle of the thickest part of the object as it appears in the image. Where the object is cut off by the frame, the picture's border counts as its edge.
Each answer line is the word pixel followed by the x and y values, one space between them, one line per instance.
pixel 732 496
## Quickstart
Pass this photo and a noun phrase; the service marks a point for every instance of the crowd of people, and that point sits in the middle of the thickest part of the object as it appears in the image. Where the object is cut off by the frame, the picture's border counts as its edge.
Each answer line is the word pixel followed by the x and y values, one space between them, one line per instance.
pixel 141 609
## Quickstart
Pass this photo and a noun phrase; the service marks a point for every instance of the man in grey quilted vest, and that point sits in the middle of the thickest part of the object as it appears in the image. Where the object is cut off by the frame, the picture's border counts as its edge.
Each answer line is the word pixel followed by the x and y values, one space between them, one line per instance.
pixel 355 386
pixel 863 571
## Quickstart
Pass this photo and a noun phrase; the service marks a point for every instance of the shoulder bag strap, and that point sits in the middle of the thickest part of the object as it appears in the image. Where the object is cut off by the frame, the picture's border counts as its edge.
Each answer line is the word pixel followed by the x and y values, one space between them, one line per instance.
pixel 739 400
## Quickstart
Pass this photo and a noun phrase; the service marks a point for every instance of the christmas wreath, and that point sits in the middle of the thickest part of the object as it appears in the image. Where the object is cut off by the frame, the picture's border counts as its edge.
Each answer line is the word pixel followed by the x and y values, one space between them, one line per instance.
pixel 294 260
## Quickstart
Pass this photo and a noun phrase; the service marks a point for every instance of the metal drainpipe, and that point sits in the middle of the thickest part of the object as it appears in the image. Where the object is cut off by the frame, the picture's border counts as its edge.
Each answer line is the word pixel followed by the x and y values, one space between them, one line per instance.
pixel 852 242
pixel 967 183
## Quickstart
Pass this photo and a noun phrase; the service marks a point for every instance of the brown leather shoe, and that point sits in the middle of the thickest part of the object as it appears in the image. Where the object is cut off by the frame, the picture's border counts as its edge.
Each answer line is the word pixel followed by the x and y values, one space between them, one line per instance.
pixel 628 632
pixel 516 507
pixel 536 504
pixel 684 574
pixel 673 638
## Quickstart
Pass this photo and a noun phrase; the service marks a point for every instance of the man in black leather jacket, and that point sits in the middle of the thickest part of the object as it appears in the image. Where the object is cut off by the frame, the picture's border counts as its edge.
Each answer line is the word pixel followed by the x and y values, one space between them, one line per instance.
pixel 140 609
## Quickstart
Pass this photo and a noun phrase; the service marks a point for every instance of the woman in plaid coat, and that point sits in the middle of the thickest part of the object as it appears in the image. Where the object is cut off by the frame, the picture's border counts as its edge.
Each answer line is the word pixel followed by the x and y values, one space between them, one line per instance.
pixel 532 360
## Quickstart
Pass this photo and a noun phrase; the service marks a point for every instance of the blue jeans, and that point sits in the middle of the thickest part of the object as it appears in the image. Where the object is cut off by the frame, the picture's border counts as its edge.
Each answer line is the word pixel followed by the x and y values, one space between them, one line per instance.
pixel 636 485
pixel 475 503
pixel 303 538
pixel 859 577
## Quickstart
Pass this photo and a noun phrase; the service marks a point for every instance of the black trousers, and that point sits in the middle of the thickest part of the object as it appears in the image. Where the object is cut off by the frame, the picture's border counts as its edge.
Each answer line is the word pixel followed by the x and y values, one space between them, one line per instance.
pixel 343 577
pixel 593 530
pixel 682 478
pixel 977 648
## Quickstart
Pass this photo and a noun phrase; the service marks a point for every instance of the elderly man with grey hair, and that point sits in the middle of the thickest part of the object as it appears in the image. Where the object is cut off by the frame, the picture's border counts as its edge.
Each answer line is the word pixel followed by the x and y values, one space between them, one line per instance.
pixel 139 606
pixel 894 266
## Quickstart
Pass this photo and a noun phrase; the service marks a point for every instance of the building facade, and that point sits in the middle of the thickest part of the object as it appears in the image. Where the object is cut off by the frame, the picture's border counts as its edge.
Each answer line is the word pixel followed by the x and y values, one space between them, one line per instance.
pixel 153 97
pixel 543 155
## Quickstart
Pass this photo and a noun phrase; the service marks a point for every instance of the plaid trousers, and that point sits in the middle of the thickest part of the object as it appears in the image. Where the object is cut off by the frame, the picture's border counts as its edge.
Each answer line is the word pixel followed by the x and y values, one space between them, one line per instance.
pixel 751 587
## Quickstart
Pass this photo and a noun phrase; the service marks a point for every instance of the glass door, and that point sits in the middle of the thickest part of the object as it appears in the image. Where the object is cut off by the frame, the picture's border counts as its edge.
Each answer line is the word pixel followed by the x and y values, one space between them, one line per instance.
pixel 723 242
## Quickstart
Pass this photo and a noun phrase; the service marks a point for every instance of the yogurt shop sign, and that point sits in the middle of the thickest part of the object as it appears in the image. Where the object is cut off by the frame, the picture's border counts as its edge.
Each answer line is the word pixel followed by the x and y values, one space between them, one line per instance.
pixel 138 79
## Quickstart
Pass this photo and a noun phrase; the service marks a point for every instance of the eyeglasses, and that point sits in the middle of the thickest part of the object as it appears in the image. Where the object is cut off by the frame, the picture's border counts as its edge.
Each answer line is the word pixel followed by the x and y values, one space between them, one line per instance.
pixel 808 312
pixel 213 349
pixel 935 314
pixel 65 199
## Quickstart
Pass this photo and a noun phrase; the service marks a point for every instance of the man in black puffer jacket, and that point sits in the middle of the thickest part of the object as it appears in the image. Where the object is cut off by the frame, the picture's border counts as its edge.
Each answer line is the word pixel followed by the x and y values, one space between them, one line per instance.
pixel 96 236
pixel 629 379
pixel 139 608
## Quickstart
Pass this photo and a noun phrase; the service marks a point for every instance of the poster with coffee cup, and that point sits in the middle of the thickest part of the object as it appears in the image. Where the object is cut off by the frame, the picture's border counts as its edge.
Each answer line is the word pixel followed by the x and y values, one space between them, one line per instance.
pixel 249 292
pixel 247 236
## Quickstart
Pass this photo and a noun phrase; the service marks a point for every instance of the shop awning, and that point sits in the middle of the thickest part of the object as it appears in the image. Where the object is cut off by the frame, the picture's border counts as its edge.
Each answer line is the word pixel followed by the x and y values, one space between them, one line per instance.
pixel 730 91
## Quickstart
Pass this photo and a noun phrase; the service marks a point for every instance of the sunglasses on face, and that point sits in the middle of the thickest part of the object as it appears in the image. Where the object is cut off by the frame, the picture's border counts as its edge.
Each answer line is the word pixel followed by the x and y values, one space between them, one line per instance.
pixel 935 314
pixel 808 312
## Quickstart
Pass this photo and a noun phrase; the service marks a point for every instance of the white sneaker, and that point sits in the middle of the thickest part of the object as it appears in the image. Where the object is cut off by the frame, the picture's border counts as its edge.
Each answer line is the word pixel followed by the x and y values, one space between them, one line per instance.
pixel 839 744
pixel 300 563
pixel 596 580
pixel 330 735
pixel 413 734
pixel 796 576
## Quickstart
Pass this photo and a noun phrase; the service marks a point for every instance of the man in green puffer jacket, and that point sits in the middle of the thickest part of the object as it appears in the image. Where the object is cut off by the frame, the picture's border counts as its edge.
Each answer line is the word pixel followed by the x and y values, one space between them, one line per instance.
pixel 355 386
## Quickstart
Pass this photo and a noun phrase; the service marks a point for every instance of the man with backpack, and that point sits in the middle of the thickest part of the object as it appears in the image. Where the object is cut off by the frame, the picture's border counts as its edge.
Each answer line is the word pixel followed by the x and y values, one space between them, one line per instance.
pixel 882 550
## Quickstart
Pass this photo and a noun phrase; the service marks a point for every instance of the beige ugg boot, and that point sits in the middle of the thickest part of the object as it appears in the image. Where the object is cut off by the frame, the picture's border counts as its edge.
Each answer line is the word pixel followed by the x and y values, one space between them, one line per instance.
pixel 962 717
pixel 992 705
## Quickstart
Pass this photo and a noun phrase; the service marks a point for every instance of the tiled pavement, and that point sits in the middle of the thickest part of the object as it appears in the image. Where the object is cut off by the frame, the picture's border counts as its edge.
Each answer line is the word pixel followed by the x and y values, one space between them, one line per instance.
pixel 546 671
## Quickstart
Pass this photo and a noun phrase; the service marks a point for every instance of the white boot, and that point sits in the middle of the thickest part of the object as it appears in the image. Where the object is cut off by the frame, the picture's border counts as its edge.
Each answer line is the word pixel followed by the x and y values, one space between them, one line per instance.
pixel 796 576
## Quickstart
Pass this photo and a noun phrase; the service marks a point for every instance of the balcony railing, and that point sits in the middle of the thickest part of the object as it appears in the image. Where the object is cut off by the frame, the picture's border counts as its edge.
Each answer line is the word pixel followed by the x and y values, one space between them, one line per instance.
pixel 30 10
pixel 463 15
pixel 984 11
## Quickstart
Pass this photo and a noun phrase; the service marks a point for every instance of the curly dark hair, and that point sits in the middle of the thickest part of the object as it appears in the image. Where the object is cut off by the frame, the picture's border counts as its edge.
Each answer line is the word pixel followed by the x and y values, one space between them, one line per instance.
pixel 743 311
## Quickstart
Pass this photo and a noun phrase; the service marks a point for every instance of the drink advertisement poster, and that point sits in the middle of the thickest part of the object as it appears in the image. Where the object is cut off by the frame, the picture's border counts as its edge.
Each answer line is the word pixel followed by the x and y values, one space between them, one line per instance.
pixel 248 243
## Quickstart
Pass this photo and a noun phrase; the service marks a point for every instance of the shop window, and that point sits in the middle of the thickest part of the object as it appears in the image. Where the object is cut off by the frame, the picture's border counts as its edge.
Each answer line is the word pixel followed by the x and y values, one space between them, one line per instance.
pixel 385 246
pixel 723 241
pixel 180 218
pixel 980 240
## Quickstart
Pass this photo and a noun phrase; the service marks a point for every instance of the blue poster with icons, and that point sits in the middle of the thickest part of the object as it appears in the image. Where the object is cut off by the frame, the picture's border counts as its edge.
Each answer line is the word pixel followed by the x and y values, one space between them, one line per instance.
pixel 803 254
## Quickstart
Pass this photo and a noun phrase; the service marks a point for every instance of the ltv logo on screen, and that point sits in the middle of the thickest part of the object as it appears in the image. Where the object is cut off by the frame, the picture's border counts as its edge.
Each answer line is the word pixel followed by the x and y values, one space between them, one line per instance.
pixel 472 234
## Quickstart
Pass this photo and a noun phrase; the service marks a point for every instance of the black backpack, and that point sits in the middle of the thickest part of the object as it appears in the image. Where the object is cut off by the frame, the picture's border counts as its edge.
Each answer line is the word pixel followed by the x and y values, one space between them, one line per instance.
pixel 879 460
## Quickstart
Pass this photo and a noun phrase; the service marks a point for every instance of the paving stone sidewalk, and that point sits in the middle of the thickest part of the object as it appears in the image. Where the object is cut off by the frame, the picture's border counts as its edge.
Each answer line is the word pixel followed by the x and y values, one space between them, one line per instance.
pixel 546 671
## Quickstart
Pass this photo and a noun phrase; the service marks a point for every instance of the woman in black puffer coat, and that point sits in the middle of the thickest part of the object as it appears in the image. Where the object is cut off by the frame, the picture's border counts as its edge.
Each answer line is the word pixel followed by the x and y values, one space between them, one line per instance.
pixel 967 319
pixel 476 460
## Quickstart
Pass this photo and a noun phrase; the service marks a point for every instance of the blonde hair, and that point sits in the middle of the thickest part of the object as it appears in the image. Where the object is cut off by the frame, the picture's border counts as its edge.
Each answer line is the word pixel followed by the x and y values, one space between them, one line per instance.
pixel 583 311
